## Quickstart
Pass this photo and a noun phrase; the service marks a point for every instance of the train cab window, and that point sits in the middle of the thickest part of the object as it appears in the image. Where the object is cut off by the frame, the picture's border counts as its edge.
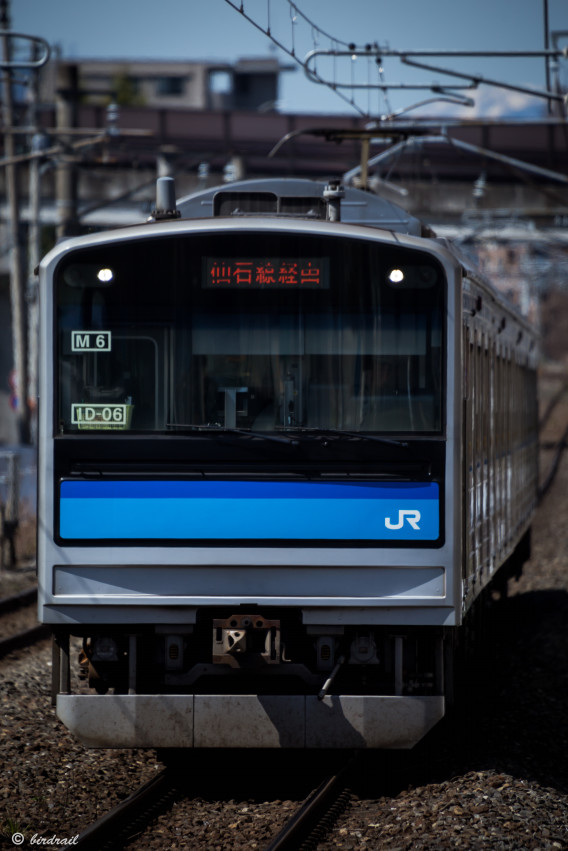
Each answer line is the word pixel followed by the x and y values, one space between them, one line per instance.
pixel 230 330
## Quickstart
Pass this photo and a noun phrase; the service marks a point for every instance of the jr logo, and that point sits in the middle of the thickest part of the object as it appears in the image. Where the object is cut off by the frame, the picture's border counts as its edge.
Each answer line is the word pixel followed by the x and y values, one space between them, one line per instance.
pixel 410 515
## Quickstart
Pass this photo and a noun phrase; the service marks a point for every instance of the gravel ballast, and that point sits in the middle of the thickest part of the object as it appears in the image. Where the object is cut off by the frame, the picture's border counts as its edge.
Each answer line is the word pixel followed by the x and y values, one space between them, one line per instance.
pixel 495 778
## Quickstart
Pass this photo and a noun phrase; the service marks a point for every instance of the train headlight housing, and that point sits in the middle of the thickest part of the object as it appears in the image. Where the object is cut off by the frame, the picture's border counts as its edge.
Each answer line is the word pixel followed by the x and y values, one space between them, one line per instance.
pixel 105 275
pixel 412 277
pixel 396 276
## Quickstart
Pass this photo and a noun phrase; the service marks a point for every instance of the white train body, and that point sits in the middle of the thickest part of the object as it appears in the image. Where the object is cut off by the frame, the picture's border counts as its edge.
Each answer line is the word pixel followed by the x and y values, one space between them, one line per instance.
pixel 280 458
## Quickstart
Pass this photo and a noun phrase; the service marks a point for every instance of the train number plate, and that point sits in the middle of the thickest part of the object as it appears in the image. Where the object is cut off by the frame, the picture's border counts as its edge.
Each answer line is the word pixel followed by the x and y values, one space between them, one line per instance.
pixel 100 416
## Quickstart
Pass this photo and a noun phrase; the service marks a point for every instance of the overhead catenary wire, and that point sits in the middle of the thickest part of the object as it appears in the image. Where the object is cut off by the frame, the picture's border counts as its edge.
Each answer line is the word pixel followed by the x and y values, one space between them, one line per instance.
pixel 447 93
pixel 292 53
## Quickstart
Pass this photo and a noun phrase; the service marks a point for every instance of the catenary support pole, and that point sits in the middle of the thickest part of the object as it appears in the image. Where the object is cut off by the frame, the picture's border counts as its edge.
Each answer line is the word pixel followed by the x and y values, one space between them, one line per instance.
pixel 19 341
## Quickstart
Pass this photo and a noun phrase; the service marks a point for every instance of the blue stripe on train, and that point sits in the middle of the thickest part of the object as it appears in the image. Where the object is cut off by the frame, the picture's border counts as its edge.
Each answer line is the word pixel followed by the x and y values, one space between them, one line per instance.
pixel 144 510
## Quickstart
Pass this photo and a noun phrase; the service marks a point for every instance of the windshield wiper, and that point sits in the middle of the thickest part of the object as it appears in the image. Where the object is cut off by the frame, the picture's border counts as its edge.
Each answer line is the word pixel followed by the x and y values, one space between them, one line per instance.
pixel 358 435
pixel 297 431
pixel 243 432
pixel 276 438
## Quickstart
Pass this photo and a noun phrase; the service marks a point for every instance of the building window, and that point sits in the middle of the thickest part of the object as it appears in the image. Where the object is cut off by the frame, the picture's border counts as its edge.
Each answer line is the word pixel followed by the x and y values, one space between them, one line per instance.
pixel 170 85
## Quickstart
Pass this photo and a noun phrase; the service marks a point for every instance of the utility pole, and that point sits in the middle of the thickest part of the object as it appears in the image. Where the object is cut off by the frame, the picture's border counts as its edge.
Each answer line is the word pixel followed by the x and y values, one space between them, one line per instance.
pixel 547 60
pixel 19 345
pixel 34 250
pixel 66 176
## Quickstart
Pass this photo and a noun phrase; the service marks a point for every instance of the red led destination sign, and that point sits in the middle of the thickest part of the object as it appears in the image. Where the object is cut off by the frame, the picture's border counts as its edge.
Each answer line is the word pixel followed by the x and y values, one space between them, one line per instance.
pixel 307 273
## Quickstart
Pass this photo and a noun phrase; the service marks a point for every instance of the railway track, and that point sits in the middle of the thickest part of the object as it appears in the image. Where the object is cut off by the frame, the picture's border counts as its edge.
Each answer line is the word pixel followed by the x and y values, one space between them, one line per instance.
pixel 551 444
pixel 308 825
pixel 552 404
pixel 115 828
pixel 317 814
pixel 557 448
pixel 24 638
pixel 18 601
pixel 15 633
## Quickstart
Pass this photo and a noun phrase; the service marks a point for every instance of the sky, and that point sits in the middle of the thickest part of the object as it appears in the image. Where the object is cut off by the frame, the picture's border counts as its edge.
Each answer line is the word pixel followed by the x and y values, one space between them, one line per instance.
pixel 213 30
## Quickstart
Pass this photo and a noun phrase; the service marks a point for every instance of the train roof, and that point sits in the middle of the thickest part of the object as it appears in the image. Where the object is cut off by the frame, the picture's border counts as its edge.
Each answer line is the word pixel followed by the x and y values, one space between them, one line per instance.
pixel 298 198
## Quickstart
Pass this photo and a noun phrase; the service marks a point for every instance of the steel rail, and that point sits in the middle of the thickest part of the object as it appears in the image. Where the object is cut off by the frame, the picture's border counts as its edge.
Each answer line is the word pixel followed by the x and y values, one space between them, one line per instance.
pixel 113 829
pixel 552 405
pixel 551 475
pixel 558 446
pixel 317 814
pixel 18 601
pixel 24 639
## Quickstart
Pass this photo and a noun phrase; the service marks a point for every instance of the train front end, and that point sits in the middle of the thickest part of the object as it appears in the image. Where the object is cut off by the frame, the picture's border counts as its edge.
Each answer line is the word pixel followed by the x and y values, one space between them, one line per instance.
pixel 248 471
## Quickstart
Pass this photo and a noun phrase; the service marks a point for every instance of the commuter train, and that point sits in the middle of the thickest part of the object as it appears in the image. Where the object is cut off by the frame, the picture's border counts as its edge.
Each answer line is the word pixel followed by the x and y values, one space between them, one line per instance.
pixel 288 438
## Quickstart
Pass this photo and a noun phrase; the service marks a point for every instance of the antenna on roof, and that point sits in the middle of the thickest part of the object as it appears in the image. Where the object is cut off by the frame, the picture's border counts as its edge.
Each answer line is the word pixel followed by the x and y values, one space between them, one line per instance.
pixel 165 200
